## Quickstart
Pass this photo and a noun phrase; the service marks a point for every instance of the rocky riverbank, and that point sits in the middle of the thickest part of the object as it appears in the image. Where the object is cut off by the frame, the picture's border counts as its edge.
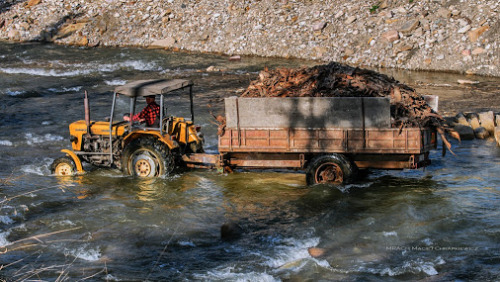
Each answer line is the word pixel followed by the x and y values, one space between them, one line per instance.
pixel 454 35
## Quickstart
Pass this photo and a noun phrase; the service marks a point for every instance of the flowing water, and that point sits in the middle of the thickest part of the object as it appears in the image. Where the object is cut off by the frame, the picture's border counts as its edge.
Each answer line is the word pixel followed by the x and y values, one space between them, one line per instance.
pixel 441 223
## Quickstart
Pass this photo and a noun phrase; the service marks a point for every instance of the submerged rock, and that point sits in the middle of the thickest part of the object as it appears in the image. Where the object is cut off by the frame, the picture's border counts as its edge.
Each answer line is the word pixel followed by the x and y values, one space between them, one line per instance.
pixel 466 132
pixel 481 133
pixel 316 252
pixel 230 231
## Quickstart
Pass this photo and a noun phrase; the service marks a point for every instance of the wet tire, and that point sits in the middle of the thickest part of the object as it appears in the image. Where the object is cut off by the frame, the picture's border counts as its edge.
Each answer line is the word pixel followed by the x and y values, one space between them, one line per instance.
pixel 63 166
pixel 147 157
pixel 330 169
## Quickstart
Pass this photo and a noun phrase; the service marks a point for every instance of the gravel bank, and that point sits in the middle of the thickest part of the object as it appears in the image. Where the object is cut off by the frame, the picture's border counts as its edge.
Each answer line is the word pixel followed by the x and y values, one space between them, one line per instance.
pixel 454 35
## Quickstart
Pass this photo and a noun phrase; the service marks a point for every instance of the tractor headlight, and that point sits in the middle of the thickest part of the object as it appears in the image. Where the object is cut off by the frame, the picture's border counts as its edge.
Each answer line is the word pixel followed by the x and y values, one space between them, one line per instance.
pixel 73 139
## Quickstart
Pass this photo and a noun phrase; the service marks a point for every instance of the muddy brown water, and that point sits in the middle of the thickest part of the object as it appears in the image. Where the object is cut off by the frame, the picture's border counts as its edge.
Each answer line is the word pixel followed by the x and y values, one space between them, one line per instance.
pixel 440 223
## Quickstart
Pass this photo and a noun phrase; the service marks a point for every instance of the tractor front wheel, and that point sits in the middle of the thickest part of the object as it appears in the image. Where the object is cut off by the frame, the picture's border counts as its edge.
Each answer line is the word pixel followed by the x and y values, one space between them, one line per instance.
pixel 63 166
pixel 147 157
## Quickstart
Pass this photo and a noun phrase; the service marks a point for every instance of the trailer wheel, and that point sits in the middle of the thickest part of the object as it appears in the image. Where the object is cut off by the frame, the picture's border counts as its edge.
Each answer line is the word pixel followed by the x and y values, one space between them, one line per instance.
pixel 63 166
pixel 330 169
pixel 147 157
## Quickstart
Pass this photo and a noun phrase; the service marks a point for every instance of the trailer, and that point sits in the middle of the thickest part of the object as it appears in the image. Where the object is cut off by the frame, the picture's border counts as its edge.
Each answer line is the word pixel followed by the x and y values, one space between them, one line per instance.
pixel 328 138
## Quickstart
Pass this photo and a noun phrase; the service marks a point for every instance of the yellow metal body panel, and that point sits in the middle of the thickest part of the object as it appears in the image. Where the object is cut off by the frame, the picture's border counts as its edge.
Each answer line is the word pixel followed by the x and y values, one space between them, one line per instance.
pixel 178 129
pixel 75 158
pixel 79 128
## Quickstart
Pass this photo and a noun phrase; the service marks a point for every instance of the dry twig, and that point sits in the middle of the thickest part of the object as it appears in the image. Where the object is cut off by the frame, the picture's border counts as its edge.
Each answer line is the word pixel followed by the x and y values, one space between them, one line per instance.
pixel 408 108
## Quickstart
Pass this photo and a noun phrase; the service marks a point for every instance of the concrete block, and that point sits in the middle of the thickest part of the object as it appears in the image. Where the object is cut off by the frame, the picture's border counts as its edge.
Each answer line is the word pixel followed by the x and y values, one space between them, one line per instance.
pixel 292 112
pixel 231 111
pixel 377 112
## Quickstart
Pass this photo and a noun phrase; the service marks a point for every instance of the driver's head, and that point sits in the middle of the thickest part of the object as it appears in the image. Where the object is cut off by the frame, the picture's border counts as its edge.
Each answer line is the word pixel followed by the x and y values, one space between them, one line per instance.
pixel 150 99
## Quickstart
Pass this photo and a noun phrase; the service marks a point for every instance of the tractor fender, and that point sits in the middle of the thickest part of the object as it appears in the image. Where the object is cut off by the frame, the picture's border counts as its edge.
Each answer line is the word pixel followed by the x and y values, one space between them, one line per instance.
pixel 75 158
pixel 137 134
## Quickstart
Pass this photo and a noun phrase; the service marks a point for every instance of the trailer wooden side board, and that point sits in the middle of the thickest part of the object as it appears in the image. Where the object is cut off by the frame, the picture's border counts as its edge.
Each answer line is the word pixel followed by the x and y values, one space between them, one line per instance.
pixel 350 141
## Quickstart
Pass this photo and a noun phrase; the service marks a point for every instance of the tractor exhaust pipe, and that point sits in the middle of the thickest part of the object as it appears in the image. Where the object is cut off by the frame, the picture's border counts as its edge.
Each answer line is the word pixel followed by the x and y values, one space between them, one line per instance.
pixel 87 111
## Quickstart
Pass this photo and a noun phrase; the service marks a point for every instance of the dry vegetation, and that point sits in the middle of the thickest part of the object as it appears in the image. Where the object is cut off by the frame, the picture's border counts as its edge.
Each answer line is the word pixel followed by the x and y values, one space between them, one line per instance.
pixel 408 108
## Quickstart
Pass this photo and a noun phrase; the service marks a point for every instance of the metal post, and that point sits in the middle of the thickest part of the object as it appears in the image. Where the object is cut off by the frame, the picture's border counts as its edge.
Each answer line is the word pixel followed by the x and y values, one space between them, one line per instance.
pixel 111 129
pixel 132 107
pixel 191 99
pixel 161 114
pixel 87 111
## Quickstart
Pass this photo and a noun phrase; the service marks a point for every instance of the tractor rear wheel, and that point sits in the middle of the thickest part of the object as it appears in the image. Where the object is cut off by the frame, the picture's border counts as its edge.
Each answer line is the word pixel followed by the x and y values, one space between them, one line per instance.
pixel 330 169
pixel 63 166
pixel 147 157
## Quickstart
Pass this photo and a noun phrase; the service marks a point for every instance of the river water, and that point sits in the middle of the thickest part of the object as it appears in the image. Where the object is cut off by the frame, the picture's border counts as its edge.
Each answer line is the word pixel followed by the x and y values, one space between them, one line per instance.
pixel 441 223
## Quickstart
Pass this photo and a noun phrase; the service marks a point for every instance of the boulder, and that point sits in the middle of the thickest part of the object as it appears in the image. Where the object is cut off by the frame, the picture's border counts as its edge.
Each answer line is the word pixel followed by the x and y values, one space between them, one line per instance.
pixel 466 81
pixel 444 13
pixel 478 51
pixel 69 29
pixel 487 120
pixel 318 26
pixel 213 69
pixel 481 133
pixel 390 36
pixel 409 26
pixel 474 34
pixel 497 120
pixel 465 131
pixel 350 20
pixel 474 121
pixel 464 29
pixel 460 119
pixel 316 252
pixel 497 135
pixel 230 231
pixel 14 35
pixel 32 3
pixel 83 41
pixel 163 43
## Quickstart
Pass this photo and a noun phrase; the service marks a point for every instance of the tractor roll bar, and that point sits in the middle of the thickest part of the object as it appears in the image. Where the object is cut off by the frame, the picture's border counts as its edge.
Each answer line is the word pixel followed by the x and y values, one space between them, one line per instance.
pixel 142 88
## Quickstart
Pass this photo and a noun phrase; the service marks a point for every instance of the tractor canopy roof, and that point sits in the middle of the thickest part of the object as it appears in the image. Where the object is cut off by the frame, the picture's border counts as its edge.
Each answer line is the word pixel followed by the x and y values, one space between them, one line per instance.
pixel 141 88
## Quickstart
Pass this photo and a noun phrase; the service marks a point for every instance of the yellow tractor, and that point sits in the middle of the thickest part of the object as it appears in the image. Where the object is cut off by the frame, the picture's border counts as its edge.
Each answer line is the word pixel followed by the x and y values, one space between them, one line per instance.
pixel 137 149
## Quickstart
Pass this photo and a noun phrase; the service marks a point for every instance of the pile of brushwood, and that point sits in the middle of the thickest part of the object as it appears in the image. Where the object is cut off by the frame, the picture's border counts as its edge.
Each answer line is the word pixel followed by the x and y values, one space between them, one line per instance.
pixel 408 108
